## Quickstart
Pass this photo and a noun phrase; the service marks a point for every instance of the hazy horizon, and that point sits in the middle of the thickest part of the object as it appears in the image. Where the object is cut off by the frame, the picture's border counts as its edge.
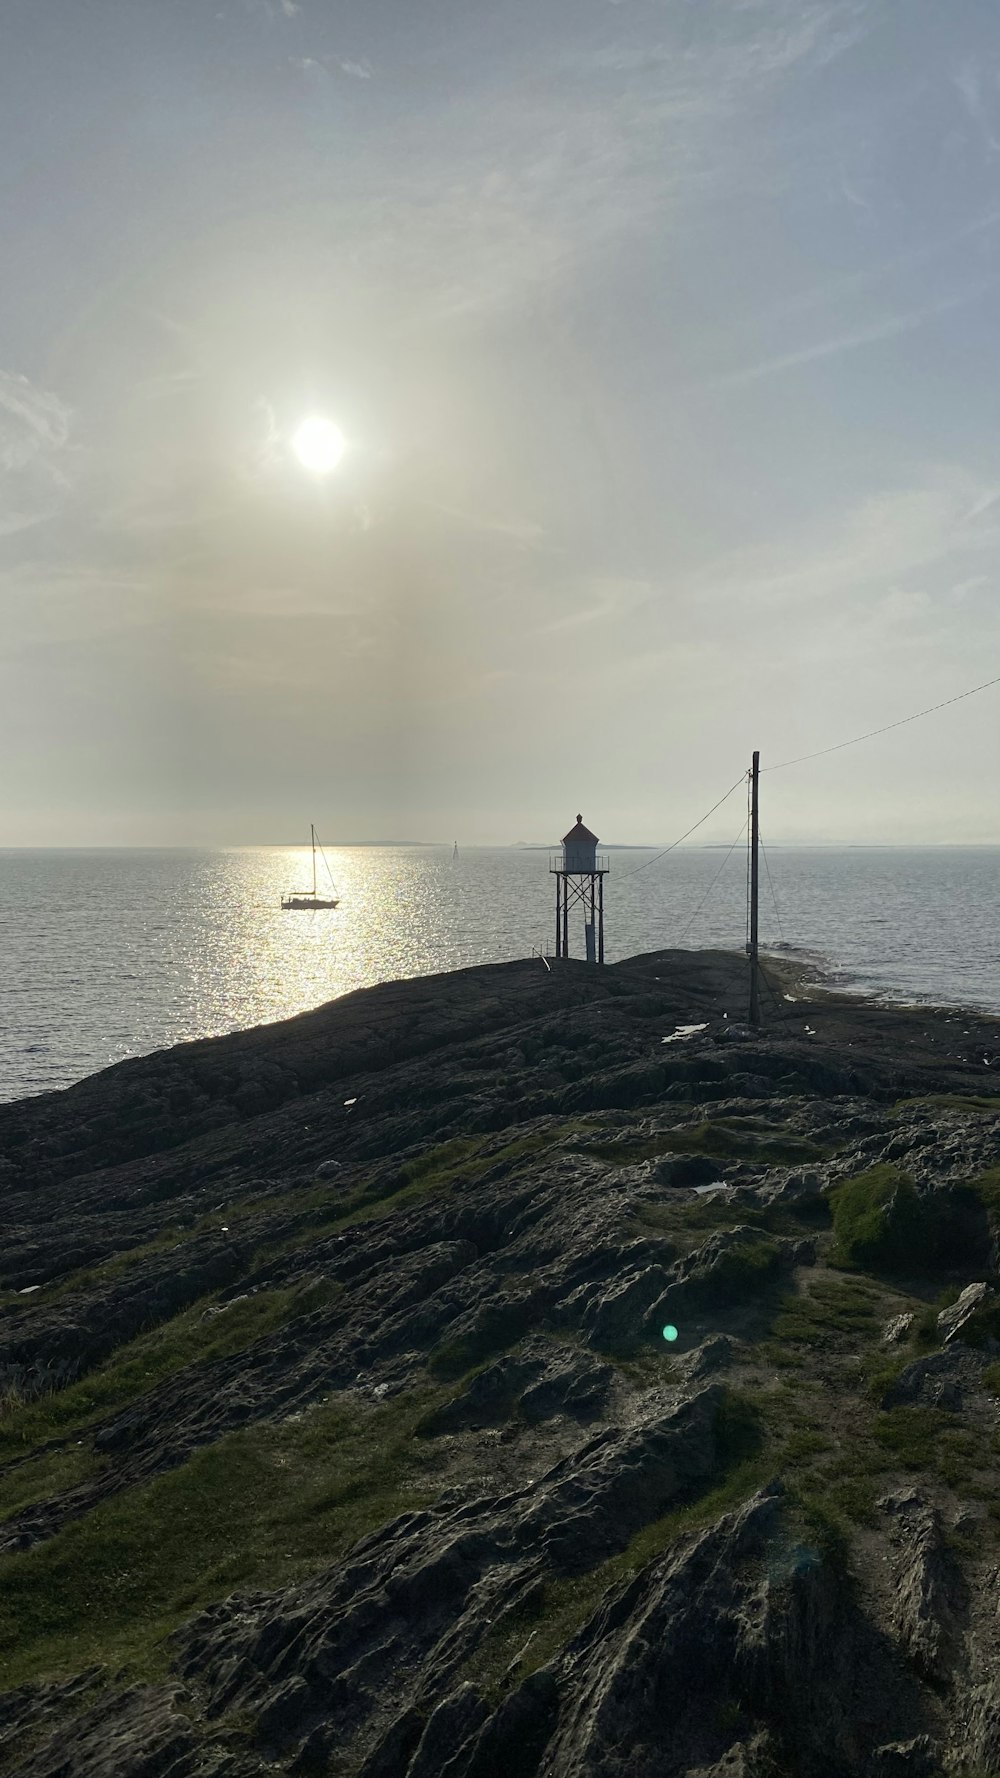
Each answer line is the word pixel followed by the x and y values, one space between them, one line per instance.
pixel 651 344
pixel 535 846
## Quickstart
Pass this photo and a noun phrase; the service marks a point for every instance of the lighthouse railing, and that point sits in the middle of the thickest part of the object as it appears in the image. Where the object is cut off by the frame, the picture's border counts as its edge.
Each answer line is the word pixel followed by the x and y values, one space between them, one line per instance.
pixel 574 867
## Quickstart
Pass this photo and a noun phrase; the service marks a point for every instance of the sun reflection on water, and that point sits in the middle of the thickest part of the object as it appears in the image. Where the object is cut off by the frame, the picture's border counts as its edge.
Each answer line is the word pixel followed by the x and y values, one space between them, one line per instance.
pixel 114 953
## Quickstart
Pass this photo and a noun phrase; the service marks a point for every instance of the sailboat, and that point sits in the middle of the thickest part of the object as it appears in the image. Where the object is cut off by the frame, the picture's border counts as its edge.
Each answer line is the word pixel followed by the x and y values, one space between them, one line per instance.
pixel 454 856
pixel 308 898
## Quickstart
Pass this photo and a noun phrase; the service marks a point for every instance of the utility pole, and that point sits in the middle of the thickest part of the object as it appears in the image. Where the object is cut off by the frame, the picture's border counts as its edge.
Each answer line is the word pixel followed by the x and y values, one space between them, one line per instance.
pixel 754 866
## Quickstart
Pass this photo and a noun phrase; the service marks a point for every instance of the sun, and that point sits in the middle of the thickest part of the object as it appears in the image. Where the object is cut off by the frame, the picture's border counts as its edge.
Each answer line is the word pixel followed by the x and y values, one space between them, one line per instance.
pixel 318 444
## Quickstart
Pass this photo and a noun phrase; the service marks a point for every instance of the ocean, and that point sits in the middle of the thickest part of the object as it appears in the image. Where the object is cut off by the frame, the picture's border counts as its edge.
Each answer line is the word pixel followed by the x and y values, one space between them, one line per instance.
pixel 107 954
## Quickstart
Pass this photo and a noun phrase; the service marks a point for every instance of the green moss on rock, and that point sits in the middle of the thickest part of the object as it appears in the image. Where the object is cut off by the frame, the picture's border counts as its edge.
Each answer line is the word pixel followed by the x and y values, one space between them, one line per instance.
pixel 880 1224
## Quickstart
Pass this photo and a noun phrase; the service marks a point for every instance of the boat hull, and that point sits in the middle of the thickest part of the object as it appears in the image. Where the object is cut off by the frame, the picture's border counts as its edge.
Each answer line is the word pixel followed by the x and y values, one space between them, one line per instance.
pixel 299 903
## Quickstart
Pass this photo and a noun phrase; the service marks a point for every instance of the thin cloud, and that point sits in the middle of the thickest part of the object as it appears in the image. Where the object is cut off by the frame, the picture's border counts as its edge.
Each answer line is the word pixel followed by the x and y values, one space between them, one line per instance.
pixel 604 598
pixel 851 195
pixel 272 12
pixel 167 383
pixel 34 436
pixel 327 65
pixel 859 283
pixel 877 546
pixel 52 605
pixel 601 146
pixel 520 531
pixel 969 86
pixel 851 341
pixel 177 329
pixel 31 420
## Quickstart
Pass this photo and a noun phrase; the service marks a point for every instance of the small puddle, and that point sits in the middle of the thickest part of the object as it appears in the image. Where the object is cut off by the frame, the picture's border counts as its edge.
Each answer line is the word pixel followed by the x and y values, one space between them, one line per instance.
pixel 684 1033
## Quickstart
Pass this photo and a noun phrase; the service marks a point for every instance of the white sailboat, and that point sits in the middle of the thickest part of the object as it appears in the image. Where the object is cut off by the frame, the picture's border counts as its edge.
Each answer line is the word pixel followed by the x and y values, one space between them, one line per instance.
pixel 309 898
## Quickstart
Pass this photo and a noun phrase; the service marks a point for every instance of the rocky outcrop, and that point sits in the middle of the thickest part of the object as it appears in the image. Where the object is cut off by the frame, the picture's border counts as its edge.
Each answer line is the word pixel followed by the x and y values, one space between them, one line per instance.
pixel 485 1442
pixel 930 1595
pixel 974 1316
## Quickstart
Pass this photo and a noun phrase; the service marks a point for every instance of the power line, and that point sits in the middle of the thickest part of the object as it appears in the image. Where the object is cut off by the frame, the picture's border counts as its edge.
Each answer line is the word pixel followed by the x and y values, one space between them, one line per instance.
pixel 672 848
pixel 770 885
pixel 784 1012
pixel 884 730
pixel 715 879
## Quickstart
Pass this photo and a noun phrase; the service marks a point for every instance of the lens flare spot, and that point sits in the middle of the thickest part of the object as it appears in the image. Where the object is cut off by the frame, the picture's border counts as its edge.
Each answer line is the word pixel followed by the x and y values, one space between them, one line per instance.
pixel 670 1332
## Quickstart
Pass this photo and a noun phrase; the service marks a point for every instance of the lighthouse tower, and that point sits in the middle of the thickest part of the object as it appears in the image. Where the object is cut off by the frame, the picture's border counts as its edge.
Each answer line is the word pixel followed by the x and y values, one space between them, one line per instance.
pixel 579 870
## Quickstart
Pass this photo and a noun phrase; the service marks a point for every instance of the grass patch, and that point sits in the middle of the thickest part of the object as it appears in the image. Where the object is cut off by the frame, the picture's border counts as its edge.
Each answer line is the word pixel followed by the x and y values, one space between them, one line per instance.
pixel 259 1509
pixel 443 1159
pixel 806 1441
pixel 732 1138
pixel 781 1357
pixel 436 1171
pixel 838 1450
pixel 99 1271
pixel 879 1223
pixel 910 1436
pixel 880 1370
pixel 987 1189
pixel 692 1218
pixel 958 1455
pixel 926 1335
pixel 797 1435
pixel 470 1157
pixel 327 1206
pixel 925 1440
pixel 138 1366
pixel 963 1102
pixel 827 1536
pixel 835 1311
pixel 44 1476
pixel 645 1369
pixel 854 1498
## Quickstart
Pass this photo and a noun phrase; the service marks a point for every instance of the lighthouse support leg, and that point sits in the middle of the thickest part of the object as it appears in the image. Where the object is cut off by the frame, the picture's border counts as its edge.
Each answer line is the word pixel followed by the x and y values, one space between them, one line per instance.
pixel 558 916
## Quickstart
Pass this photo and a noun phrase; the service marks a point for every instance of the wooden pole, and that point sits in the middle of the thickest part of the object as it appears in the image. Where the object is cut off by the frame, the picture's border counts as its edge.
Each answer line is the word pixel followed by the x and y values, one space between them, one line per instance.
pixel 600 916
pixel 754 868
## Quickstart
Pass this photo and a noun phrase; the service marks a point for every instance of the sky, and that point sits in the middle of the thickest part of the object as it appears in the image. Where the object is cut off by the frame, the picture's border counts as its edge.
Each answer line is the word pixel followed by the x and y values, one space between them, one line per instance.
pixel 665 339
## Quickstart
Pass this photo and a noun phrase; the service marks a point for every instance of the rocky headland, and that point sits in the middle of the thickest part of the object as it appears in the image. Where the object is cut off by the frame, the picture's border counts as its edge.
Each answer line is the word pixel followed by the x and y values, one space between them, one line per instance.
pixel 341 1434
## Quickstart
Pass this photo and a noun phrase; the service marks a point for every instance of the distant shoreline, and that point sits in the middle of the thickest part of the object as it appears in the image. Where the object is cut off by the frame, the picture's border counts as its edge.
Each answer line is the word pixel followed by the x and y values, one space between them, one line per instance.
pixel 519 846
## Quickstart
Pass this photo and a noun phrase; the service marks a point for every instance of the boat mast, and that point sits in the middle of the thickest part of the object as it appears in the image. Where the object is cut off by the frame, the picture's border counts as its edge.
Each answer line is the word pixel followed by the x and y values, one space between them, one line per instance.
pixel 312 835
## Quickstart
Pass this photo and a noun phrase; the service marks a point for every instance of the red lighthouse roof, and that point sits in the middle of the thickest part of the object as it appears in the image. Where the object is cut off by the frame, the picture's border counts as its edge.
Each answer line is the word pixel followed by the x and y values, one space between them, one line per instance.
pixel 580 835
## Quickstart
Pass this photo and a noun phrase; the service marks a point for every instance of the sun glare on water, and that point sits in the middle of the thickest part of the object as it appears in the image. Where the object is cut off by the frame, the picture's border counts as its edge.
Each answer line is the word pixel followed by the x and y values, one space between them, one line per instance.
pixel 318 445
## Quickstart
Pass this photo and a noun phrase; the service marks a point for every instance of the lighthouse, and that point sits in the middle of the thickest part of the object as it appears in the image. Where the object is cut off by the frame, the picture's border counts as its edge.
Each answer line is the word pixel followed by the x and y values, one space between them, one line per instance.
pixel 579 870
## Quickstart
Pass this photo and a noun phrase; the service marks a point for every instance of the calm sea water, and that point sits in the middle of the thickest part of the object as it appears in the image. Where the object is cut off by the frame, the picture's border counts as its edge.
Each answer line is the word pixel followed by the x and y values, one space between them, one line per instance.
pixel 107 954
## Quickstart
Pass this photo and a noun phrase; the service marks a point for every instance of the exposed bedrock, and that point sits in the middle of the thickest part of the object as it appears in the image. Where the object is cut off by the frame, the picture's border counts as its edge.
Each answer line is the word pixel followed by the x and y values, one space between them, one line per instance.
pixel 511 1374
